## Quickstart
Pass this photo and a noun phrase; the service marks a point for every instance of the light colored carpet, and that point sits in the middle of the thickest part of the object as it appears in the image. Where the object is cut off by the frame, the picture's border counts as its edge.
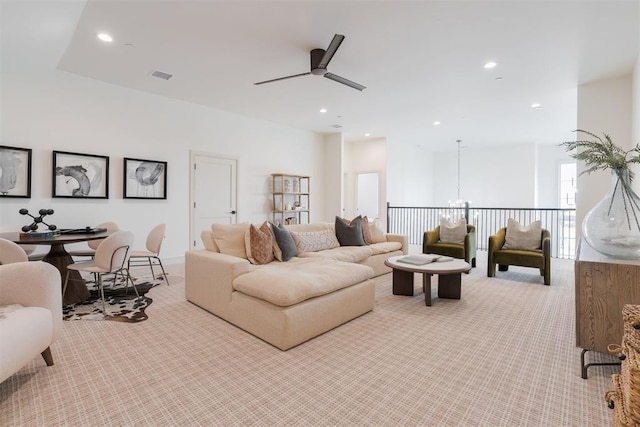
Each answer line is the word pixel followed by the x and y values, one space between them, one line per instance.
pixel 503 355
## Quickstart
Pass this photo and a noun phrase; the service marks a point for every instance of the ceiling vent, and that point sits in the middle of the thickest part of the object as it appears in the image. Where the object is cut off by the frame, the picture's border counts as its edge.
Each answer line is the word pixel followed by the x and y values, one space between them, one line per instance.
pixel 161 75
pixel 337 126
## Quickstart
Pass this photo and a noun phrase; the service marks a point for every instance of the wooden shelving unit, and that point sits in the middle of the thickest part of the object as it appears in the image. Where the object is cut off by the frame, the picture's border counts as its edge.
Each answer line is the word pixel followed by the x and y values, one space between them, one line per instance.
pixel 290 196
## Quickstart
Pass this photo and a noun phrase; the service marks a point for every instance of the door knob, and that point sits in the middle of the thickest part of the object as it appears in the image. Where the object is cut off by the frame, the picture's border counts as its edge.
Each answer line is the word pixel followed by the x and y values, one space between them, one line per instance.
pixel 232 212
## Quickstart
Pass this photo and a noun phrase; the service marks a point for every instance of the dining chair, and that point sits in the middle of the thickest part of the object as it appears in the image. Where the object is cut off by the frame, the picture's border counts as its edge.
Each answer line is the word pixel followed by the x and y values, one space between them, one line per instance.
pixel 154 242
pixel 11 252
pixel 31 252
pixel 93 244
pixel 110 258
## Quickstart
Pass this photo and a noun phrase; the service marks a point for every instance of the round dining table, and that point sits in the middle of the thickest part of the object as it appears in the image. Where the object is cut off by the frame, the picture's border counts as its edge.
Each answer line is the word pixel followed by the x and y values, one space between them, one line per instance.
pixel 58 257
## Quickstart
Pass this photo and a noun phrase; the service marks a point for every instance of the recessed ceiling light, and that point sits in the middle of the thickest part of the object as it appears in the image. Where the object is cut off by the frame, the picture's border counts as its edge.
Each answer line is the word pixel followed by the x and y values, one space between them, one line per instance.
pixel 536 106
pixel 323 110
pixel 436 123
pixel 367 134
pixel 489 65
pixel 105 37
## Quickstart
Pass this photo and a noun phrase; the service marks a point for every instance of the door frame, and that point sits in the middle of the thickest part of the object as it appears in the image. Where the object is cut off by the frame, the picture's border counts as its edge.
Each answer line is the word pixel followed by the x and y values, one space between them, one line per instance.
pixel 192 161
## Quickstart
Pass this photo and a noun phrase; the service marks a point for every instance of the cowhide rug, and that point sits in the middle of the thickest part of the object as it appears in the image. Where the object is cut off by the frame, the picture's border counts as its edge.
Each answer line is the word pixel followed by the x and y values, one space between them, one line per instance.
pixel 122 305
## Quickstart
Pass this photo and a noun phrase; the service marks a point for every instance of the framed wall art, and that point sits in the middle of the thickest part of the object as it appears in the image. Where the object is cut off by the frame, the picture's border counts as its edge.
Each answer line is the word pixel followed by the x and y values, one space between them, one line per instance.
pixel 144 179
pixel 15 172
pixel 81 176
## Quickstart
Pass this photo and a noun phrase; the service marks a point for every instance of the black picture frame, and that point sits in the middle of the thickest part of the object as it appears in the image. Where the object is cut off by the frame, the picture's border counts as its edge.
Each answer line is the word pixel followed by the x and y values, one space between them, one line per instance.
pixel 144 179
pixel 15 163
pixel 80 176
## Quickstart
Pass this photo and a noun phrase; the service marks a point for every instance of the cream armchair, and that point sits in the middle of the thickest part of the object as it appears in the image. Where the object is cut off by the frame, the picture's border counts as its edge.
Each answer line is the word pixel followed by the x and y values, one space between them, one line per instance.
pixel 30 314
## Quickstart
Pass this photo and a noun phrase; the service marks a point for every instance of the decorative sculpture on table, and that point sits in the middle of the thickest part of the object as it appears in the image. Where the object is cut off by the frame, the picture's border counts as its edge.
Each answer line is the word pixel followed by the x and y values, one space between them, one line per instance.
pixel 37 220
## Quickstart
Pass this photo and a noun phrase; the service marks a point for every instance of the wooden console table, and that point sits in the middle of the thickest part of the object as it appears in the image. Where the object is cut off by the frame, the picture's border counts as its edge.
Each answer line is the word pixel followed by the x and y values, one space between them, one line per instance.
pixel 603 286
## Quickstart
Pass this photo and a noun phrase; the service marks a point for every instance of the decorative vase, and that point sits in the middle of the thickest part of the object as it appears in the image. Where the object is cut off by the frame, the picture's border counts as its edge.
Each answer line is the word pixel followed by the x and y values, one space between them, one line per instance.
pixel 612 227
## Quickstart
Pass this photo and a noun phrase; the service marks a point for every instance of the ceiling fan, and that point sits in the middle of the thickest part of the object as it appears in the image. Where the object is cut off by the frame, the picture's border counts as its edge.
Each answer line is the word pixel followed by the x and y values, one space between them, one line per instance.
pixel 320 59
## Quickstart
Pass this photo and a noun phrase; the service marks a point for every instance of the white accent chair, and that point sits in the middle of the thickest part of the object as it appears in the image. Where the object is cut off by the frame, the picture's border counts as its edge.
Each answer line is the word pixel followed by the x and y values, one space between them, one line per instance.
pixel 93 244
pixel 30 314
pixel 154 242
pixel 11 252
pixel 110 258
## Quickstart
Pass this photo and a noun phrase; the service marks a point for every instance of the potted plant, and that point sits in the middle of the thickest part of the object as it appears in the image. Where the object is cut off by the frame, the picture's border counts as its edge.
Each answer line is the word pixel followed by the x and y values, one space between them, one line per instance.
pixel 612 227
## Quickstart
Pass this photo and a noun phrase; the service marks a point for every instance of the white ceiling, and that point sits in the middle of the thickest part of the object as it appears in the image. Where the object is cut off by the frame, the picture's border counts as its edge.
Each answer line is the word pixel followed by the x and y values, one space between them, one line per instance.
pixel 421 61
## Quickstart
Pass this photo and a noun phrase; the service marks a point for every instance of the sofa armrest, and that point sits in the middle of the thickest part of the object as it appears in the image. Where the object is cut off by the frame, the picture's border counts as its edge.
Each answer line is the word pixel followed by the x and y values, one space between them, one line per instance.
pixel 209 277
pixel 497 240
pixel 400 238
pixel 33 284
pixel 546 243
pixel 470 244
pixel 431 237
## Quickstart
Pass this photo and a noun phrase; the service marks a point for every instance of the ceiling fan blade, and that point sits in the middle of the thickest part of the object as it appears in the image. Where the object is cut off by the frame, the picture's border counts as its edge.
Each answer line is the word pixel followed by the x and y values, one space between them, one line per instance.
pixel 344 81
pixel 282 78
pixel 331 50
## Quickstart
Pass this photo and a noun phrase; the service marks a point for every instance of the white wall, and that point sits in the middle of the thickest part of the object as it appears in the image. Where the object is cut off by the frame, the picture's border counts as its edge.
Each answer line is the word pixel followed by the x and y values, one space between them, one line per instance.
pixel 502 176
pixel 61 111
pixel 636 93
pixel 636 113
pixel 364 157
pixel 410 177
pixel 333 164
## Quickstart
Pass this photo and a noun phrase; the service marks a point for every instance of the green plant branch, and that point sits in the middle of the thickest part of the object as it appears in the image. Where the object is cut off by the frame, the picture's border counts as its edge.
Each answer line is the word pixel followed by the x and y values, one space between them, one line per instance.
pixel 602 154
pixel 626 190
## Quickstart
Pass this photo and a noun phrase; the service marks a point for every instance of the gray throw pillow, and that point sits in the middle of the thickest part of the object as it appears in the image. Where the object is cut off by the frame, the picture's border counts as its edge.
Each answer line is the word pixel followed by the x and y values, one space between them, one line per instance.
pixel 285 242
pixel 350 233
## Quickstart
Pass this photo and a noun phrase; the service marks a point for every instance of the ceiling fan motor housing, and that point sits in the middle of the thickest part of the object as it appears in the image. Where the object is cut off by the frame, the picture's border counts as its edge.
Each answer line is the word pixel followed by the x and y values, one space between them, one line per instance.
pixel 316 57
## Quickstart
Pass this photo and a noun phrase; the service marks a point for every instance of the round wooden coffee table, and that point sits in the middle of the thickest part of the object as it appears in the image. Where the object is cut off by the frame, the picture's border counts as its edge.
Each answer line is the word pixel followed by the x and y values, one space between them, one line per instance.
pixel 449 277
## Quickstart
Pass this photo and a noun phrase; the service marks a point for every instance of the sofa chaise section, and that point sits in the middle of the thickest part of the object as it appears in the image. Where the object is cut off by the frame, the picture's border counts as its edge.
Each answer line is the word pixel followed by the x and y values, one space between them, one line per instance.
pixel 285 304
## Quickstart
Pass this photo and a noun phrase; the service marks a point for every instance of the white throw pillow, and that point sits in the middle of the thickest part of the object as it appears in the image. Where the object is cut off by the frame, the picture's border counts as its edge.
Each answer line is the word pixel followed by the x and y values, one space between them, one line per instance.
pixel 313 241
pixel 377 234
pixel 230 238
pixel 451 232
pixel 207 240
pixel 526 238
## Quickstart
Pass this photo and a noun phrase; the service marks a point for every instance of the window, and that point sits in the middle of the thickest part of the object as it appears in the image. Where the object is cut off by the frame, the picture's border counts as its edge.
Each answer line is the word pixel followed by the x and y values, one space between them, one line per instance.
pixel 568 185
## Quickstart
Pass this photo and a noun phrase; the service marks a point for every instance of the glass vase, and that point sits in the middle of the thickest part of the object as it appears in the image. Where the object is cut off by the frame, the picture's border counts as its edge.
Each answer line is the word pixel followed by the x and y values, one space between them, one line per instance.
pixel 612 227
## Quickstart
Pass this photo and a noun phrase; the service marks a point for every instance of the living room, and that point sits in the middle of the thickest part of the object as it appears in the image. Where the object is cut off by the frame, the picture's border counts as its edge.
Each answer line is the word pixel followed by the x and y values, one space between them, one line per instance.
pixel 50 103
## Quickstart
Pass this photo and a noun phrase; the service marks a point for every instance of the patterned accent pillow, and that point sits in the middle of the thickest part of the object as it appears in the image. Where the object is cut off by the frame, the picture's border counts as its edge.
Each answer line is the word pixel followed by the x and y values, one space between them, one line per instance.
pixel 349 233
pixel 313 241
pixel 526 238
pixel 260 244
pixel 366 231
pixel 451 232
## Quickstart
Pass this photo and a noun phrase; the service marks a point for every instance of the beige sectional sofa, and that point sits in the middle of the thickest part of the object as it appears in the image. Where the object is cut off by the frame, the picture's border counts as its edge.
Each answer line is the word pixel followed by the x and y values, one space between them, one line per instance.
pixel 287 303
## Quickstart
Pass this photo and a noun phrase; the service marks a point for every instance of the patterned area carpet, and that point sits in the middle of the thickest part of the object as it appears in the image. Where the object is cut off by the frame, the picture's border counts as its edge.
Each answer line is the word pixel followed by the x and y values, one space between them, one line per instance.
pixel 503 355
pixel 121 302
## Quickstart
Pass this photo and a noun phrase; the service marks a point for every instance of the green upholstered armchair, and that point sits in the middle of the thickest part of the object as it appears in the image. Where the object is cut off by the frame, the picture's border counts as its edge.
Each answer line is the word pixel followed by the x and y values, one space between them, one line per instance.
pixel 431 244
pixel 505 257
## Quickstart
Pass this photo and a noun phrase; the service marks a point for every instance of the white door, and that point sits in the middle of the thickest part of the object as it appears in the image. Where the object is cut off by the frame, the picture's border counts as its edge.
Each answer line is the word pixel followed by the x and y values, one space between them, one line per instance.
pixel 213 194
pixel 367 188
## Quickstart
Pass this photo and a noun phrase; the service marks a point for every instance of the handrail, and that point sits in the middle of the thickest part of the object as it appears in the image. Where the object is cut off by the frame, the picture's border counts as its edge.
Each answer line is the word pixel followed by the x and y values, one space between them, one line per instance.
pixel 413 221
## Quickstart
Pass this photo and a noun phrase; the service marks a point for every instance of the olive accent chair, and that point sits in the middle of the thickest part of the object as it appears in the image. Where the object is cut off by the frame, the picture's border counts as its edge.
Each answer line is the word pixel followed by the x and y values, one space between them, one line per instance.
pixel 431 244
pixel 540 259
